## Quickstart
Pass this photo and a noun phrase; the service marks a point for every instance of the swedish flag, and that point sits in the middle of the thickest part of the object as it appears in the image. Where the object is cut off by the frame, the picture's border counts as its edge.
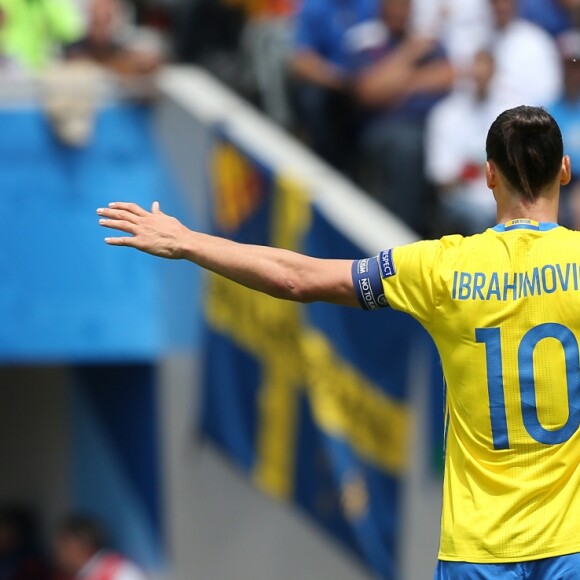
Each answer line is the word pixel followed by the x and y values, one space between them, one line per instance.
pixel 310 401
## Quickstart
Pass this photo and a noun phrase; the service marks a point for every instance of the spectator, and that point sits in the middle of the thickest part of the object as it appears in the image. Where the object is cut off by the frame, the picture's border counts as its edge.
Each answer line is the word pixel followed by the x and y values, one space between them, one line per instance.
pixel 566 111
pixel 82 554
pixel 574 205
pixel 371 83
pixel 527 61
pixel 31 32
pixel 20 557
pixel 267 45
pixel 405 78
pixel 455 157
pixel 208 33
pixel 103 46
pixel 322 63
pixel 70 99
pixel 555 16
pixel 463 27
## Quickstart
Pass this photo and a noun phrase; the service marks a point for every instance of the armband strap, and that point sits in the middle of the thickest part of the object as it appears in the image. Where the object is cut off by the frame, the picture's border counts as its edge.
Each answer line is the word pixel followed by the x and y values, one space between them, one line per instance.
pixel 368 285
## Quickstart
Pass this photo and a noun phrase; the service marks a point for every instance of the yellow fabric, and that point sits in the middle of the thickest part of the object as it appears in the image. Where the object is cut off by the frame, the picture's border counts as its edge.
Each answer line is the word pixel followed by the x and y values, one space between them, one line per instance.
pixel 31 29
pixel 520 502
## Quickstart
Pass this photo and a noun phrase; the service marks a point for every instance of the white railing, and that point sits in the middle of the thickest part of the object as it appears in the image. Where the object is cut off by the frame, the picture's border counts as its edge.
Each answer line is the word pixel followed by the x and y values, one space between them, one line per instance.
pixel 346 206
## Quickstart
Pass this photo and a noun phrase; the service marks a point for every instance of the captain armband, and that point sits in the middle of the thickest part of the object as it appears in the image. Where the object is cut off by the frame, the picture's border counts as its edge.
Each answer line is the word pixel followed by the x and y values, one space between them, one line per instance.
pixel 368 285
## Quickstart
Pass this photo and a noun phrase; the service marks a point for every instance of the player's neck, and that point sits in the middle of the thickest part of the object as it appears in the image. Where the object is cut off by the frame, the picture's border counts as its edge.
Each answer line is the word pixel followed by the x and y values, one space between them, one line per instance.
pixel 544 209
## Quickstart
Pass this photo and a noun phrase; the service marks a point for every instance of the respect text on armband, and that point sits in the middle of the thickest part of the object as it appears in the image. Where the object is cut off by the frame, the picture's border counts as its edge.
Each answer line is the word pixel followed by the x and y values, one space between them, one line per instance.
pixel 386 264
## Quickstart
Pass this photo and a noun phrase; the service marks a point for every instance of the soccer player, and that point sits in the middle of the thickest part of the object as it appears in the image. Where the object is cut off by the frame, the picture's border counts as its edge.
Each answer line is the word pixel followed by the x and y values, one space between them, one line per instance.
pixel 503 308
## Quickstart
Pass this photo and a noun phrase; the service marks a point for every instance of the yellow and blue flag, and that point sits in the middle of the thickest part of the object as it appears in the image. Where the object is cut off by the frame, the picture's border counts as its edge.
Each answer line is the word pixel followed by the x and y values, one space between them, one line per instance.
pixel 309 400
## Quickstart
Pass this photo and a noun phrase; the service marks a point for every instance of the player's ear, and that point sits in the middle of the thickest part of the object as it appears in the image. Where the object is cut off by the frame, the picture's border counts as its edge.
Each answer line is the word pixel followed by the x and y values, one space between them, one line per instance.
pixel 490 174
pixel 566 171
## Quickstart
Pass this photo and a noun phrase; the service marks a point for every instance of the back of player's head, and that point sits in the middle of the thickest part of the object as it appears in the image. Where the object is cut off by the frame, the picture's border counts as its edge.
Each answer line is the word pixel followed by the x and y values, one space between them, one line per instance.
pixel 526 145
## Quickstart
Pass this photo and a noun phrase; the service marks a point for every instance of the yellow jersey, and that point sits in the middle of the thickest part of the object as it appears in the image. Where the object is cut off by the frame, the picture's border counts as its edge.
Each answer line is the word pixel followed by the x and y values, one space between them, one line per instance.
pixel 503 308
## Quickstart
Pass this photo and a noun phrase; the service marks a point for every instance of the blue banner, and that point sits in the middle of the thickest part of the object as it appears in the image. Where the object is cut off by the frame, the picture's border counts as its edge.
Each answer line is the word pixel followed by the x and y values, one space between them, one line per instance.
pixel 64 294
pixel 115 455
pixel 311 401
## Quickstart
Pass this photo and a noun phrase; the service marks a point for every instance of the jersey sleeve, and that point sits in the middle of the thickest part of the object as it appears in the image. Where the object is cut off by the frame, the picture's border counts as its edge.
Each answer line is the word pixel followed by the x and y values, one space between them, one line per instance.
pixel 402 278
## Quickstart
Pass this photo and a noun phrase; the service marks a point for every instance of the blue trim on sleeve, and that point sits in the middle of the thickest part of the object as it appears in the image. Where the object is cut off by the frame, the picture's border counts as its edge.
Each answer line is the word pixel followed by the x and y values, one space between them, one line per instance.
pixel 368 285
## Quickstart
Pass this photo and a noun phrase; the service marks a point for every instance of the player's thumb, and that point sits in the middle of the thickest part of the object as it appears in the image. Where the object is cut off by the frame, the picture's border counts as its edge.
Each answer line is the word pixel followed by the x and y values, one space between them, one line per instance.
pixel 155 207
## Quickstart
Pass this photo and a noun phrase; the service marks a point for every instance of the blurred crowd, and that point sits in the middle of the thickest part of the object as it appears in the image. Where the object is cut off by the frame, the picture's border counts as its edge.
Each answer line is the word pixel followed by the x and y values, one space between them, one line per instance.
pixel 396 94
pixel 36 35
pixel 399 94
pixel 78 550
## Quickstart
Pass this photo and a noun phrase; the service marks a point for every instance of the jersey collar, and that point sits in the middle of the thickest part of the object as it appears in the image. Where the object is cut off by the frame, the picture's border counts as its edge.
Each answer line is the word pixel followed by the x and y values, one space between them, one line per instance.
pixel 525 224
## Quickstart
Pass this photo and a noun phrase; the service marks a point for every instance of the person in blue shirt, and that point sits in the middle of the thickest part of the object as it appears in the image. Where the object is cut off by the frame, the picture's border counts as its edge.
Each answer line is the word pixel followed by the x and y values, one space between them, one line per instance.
pixel 323 38
pixel 368 84
pixel 554 16
pixel 403 78
pixel 322 68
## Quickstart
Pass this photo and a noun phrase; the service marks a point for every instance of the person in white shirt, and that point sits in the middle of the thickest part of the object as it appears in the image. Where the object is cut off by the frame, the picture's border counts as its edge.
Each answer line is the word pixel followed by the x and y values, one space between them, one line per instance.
pixel 82 554
pixel 455 160
pixel 528 67
pixel 463 26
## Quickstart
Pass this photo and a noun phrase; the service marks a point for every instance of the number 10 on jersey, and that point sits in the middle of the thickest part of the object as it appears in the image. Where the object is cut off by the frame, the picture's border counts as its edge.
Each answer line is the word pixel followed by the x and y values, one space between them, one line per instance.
pixel 491 338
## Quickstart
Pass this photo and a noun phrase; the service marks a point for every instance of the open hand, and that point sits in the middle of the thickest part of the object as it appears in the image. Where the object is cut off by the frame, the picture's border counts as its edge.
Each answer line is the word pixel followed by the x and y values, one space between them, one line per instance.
pixel 153 232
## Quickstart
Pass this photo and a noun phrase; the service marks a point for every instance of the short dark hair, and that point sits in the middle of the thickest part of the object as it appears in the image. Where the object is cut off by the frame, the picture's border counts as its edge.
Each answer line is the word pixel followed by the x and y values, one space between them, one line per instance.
pixel 526 145
pixel 84 529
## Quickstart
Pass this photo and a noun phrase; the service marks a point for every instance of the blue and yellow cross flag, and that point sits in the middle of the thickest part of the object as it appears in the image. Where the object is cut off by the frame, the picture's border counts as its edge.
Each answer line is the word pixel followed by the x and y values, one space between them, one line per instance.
pixel 310 401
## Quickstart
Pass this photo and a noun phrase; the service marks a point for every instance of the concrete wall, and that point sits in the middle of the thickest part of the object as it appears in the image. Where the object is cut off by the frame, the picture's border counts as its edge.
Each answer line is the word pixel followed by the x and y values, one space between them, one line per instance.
pixel 218 525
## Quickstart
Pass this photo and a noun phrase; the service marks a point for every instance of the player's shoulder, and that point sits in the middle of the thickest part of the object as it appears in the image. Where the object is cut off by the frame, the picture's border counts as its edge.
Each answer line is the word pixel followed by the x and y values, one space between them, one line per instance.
pixel 433 246
pixel 423 254
pixel 491 237
pixel 453 244
pixel 450 246
pixel 566 232
pixel 565 239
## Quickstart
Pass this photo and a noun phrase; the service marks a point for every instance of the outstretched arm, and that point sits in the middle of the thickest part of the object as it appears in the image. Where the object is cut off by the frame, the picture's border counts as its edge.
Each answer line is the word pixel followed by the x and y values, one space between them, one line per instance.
pixel 279 273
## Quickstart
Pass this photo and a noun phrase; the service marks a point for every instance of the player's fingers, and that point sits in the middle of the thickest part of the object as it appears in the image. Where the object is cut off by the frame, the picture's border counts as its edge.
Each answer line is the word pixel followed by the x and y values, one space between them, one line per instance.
pixel 130 207
pixel 156 208
pixel 117 214
pixel 129 242
pixel 121 225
